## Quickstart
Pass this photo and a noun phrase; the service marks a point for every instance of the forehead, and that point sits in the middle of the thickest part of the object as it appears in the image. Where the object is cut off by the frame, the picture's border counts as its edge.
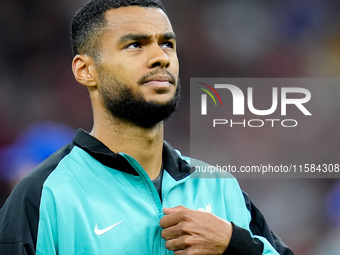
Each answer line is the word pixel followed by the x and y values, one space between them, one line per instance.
pixel 135 19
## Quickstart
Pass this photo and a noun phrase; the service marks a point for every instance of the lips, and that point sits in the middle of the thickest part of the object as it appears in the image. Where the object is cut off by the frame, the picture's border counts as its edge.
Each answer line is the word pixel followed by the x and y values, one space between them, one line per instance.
pixel 159 80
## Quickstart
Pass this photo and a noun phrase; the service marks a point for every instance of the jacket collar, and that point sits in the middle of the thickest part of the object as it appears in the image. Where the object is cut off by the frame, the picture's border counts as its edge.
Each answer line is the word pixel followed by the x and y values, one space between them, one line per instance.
pixel 173 163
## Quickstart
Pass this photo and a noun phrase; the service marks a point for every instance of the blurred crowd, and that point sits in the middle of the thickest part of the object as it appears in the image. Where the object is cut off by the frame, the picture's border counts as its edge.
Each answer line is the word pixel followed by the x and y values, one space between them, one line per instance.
pixel 41 104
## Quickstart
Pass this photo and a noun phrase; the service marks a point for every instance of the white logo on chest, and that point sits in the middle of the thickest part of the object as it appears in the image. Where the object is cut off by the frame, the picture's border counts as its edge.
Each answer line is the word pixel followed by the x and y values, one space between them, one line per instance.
pixel 206 209
pixel 100 232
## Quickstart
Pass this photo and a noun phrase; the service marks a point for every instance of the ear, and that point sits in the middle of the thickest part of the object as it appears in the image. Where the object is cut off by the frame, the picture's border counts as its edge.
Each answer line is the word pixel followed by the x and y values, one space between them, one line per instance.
pixel 84 70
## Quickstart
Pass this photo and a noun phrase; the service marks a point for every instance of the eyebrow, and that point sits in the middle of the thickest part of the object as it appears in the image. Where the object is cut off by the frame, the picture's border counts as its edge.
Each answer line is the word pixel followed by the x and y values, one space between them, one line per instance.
pixel 169 36
pixel 137 37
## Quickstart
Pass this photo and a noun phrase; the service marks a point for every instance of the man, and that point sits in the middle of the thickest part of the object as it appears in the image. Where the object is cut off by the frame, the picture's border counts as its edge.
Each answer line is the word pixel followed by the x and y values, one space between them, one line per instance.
pixel 121 189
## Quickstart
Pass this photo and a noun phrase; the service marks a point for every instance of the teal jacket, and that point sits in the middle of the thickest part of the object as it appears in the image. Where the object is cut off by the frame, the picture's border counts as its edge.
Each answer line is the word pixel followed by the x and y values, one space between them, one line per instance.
pixel 85 199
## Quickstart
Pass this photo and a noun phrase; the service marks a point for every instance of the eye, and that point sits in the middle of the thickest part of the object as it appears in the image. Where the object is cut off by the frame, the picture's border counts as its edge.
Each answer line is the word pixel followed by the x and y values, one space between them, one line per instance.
pixel 167 45
pixel 134 45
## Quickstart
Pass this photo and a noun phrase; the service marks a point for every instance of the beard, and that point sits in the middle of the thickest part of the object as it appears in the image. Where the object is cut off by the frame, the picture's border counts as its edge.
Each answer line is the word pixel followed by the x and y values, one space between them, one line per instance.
pixel 132 107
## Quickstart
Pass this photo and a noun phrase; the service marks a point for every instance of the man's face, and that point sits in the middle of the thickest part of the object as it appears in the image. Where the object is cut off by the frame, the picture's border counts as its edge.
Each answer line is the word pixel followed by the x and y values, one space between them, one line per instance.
pixel 138 62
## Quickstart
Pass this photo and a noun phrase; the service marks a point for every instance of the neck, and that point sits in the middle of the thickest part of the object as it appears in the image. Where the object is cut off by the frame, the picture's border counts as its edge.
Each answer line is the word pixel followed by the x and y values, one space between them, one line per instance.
pixel 143 144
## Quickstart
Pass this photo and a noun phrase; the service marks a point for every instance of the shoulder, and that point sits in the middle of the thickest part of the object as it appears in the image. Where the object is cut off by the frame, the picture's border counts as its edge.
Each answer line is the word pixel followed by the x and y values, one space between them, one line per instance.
pixel 19 216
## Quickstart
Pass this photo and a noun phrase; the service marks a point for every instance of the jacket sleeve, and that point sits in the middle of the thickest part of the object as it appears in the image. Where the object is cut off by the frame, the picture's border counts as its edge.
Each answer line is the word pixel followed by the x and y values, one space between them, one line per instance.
pixel 259 227
pixel 19 248
pixel 19 218
pixel 242 242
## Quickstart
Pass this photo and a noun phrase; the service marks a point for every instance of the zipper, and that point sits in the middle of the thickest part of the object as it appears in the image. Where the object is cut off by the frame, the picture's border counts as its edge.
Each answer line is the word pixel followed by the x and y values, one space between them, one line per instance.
pixel 164 198
pixel 152 191
pixel 159 205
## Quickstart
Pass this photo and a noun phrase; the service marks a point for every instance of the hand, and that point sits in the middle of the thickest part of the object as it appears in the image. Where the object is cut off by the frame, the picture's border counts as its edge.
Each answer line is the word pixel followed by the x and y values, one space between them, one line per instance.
pixel 194 232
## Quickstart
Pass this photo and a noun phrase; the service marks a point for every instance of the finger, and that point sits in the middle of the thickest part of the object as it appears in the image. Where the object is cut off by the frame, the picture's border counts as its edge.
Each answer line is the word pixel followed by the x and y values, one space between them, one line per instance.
pixel 171 232
pixel 173 218
pixel 180 243
pixel 180 252
pixel 173 209
pixel 169 220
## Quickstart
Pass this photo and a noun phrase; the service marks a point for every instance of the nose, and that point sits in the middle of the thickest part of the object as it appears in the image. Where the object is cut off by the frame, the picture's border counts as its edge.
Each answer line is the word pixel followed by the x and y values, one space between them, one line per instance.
pixel 158 58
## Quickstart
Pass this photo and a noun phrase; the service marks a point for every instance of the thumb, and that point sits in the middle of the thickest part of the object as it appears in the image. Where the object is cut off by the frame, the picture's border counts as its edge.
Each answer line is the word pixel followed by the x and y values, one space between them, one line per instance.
pixel 174 209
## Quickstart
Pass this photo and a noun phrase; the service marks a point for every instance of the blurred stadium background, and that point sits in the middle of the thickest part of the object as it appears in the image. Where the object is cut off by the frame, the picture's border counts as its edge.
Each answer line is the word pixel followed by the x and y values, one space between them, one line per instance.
pixel 41 104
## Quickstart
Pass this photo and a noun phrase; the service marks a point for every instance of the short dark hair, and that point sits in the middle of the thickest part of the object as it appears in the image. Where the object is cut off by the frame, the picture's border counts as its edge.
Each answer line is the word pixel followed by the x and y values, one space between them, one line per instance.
pixel 89 22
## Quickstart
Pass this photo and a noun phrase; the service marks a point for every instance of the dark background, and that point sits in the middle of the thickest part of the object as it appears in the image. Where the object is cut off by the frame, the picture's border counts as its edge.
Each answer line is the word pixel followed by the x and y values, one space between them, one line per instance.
pixel 41 103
